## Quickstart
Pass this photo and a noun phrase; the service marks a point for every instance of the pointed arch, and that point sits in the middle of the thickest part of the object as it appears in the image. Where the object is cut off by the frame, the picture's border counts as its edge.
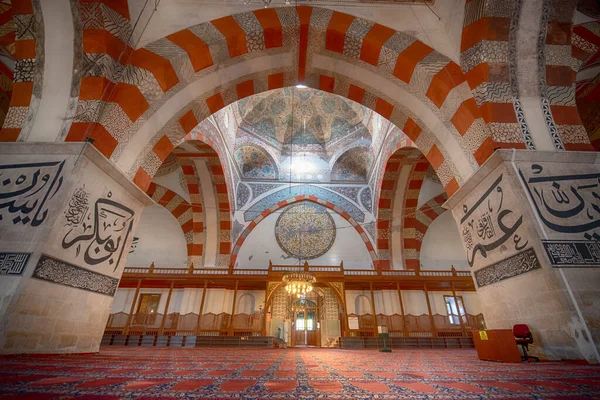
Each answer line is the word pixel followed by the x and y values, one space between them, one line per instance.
pixel 403 157
pixel 419 223
pixel 250 227
pixel 490 58
pixel 179 208
pixel 193 73
pixel 27 42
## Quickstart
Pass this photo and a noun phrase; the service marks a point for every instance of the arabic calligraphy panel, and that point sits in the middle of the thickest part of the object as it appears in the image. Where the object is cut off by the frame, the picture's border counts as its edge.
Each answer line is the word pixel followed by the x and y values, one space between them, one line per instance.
pixel 26 189
pixel 13 263
pixel 95 224
pixel 567 203
pixel 57 271
pixel 566 198
pixel 517 264
pixel 490 221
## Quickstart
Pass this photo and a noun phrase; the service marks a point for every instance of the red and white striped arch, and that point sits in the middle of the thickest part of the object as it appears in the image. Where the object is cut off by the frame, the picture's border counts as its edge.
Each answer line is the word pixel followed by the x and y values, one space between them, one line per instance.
pixel 402 157
pixel 417 223
pixel 197 71
pixel 20 40
pixel 492 29
pixel 179 208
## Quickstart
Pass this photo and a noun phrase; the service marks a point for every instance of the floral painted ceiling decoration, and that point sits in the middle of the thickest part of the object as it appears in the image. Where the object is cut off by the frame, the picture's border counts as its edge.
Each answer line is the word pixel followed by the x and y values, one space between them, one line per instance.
pixel 352 165
pixel 255 163
pixel 293 119
pixel 299 135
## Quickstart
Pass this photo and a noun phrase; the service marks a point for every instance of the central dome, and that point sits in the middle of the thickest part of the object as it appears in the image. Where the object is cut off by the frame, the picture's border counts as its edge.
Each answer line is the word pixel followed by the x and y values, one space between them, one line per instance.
pixel 307 118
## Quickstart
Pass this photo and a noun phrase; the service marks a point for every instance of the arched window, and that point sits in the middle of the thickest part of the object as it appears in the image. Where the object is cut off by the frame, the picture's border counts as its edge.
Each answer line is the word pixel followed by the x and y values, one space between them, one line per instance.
pixel 362 305
pixel 246 304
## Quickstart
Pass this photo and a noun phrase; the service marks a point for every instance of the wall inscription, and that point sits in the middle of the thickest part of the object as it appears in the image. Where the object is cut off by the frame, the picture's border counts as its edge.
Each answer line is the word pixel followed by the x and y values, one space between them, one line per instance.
pixel 584 253
pixel 98 232
pixel 569 206
pixel 517 264
pixel 13 263
pixel 25 190
pixel 57 271
pixel 489 223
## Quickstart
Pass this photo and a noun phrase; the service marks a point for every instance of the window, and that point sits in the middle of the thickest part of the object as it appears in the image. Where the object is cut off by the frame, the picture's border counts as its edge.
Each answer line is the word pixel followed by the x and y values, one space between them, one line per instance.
pixel 147 309
pixel 300 321
pixel 148 304
pixel 452 309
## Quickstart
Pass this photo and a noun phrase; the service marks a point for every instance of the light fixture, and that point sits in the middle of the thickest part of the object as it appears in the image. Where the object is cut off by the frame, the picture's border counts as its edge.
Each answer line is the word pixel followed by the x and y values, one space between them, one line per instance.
pixel 298 283
pixel 301 86
pixel 265 2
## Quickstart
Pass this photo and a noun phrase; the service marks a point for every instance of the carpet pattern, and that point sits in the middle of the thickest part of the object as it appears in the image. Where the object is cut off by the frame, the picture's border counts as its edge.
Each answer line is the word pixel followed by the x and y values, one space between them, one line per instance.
pixel 176 373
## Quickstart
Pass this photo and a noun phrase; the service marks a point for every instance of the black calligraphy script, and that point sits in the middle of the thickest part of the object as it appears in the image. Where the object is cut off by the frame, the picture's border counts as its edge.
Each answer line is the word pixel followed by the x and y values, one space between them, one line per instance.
pixel 26 188
pixel 488 229
pixel 105 230
pixel 566 203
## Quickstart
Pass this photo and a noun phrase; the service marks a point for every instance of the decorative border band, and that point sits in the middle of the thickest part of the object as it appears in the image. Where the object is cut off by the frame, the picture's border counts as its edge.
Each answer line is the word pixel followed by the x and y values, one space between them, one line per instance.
pixel 13 263
pixel 57 271
pixel 518 264
pixel 574 254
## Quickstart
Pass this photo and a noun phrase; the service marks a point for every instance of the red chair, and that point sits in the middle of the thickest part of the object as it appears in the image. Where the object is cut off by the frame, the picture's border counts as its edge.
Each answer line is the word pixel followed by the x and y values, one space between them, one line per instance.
pixel 524 338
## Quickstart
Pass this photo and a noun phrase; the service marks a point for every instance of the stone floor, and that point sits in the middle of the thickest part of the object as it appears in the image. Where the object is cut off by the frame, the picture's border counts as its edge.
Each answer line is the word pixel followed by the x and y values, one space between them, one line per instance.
pixel 176 373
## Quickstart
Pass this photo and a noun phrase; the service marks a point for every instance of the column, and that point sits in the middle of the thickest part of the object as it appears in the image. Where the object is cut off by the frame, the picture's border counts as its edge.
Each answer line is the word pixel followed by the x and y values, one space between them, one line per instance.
pixel 68 230
pixel 460 318
pixel 433 330
pixel 164 318
pixel 230 333
pixel 373 309
pixel 265 312
pixel 132 308
pixel 529 222
pixel 201 307
pixel 402 309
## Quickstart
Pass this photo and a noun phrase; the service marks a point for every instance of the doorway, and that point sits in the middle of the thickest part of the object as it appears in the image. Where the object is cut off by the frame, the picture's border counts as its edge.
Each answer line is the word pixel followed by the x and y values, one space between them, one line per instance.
pixel 305 322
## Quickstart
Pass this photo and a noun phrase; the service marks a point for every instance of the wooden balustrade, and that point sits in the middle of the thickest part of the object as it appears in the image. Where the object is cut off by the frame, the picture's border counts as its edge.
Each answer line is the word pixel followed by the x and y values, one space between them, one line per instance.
pixel 211 324
pixel 186 324
pixel 416 325
pixel 278 270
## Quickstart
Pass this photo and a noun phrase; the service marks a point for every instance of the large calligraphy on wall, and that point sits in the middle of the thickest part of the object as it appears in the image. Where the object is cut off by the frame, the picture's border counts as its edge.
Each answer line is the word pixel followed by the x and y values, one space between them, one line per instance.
pixel 569 206
pixel 97 232
pixel 489 223
pixel 25 190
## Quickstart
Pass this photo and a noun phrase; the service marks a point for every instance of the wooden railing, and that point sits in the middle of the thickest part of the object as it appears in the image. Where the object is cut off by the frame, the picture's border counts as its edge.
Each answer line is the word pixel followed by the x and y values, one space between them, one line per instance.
pixel 177 324
pixel 210 324
pixel 415 325
pixel 276 271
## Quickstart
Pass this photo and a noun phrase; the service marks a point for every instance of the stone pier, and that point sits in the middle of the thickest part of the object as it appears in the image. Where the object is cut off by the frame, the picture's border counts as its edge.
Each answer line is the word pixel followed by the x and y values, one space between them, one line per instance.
pixel 67 217
pixel 529 222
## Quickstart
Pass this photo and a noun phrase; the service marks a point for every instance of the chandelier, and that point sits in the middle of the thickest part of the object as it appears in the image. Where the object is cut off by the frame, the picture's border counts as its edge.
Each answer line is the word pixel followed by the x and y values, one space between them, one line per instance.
pixel 265 2
pixel 298 283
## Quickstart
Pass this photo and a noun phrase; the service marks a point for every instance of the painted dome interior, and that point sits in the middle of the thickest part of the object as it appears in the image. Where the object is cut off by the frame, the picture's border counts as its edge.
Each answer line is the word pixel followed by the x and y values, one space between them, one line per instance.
pixel 300 134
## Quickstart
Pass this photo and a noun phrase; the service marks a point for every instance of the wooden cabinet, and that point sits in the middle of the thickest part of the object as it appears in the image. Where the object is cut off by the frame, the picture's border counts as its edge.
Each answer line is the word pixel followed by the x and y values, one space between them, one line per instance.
pixel 496 345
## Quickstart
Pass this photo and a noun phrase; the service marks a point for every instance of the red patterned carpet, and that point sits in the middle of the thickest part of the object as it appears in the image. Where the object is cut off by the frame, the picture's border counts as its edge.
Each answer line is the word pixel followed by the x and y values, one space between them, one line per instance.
pixel 171 373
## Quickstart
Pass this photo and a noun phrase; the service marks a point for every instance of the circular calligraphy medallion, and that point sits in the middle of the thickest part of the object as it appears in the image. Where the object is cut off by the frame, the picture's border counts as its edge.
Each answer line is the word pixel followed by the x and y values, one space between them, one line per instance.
pixel 305 231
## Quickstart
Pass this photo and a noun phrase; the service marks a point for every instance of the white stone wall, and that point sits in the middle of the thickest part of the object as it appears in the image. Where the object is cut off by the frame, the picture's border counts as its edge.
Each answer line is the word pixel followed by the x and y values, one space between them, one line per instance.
pixel 160 240
pixel 429 190
pixel 443 34
pixel 260 247
pixel 442 247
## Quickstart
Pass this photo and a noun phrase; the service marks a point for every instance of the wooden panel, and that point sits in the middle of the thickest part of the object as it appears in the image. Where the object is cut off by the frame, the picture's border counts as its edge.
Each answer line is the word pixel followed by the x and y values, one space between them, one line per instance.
pixel 499 346
pixel 311 338
pixel 299 338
